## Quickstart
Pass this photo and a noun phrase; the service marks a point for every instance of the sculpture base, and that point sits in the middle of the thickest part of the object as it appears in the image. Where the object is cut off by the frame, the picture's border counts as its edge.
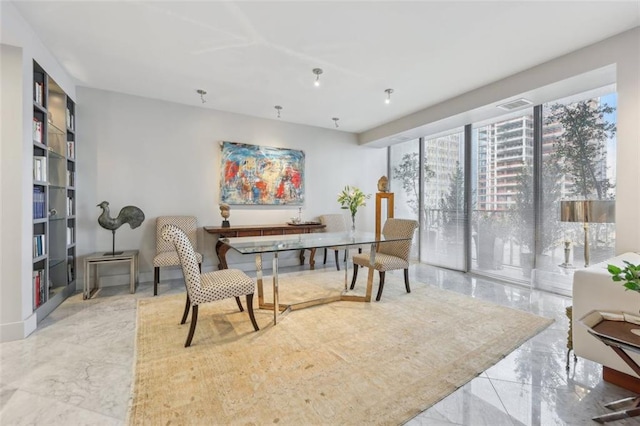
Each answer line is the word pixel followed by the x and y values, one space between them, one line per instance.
pixel 113 253
pixel 226 224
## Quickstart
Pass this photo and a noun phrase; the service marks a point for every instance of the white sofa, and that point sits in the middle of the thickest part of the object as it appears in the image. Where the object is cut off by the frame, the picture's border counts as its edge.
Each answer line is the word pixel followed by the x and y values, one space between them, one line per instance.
pixel 593 289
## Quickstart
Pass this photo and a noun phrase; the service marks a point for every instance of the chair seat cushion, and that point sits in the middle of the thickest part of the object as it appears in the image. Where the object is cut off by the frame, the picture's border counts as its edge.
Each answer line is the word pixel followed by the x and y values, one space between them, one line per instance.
pixel 170 258
pixel 384 262
pixel 222 284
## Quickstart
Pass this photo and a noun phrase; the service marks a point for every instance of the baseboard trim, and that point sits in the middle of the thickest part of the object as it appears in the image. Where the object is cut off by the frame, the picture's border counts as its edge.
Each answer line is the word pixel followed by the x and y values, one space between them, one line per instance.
pixel 621 379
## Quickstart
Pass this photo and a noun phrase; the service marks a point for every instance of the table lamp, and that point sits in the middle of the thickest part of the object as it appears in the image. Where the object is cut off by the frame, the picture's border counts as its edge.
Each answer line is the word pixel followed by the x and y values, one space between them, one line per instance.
pixel 587 211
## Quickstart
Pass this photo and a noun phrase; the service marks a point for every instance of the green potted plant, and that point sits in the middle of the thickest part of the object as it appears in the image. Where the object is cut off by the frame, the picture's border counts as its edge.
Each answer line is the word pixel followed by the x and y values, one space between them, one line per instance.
pixel 629 275
pixel 351 198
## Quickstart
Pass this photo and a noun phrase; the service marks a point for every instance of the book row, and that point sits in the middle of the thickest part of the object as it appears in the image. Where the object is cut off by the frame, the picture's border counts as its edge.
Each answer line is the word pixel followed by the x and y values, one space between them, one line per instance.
pixel 39 203
pixel 39 288
pixel 39 245
pixel 38 92
pixel 71 120
pixel 39 168
pixel 38 130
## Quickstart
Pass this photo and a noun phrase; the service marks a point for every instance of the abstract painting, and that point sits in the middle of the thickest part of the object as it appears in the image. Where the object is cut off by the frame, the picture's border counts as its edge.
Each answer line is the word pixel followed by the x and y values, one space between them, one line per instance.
pixel 260 175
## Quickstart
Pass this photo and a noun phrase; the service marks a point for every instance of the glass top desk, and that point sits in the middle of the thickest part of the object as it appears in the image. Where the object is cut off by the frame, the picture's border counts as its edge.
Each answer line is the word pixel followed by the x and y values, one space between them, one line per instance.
pixel 277 243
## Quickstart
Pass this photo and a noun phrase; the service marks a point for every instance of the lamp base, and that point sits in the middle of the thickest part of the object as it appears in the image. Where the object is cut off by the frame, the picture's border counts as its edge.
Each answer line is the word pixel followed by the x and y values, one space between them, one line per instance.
pixel 226 224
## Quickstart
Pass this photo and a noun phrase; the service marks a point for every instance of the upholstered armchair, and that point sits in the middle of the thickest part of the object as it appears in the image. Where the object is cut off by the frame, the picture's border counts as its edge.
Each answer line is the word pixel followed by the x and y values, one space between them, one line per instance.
pixel 210 286
pixel 390 255
pixel 166 254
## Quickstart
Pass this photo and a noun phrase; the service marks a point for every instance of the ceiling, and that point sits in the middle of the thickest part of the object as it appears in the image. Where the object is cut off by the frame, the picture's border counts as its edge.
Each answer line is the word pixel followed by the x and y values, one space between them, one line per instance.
pixel 251 56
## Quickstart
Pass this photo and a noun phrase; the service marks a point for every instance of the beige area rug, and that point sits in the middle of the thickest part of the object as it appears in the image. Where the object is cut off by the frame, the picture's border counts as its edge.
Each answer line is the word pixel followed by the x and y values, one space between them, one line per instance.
pixel 341 363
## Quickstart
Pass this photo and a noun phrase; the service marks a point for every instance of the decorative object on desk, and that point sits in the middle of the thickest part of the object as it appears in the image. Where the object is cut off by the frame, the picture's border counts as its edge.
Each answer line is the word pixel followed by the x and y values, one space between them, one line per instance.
pixel 225 213
pixel 588 211
pixel 629 275
pixel 259 175
pixel 128 214
pixel 383 184
pixel 351 198
pixel 297 220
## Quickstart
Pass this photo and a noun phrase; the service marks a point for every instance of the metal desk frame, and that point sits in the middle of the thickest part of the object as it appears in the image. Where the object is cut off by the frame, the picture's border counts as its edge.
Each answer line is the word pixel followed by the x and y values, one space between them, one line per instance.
pixel 275 244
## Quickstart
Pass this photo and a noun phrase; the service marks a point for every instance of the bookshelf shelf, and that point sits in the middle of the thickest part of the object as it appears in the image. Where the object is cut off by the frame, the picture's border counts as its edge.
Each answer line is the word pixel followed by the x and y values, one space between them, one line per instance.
pixel 54 260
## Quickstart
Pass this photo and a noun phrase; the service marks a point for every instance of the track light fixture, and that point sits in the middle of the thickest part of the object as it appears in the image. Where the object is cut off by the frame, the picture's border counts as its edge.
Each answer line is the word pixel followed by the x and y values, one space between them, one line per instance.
pixel 335 120
pixel 278 108
pixel 202 92
pixel 388 92
pixel 317 72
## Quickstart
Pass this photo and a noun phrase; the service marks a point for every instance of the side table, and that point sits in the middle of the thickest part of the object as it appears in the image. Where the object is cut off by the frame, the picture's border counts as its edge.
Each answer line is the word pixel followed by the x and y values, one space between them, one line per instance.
pixel 91 261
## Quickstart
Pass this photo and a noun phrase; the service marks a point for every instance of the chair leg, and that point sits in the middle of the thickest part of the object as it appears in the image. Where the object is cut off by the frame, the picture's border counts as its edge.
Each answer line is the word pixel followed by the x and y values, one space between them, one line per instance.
pixel 345 254
pixel 406 280
pixel 337 261
pixel 250 310
pixel 156 279
pixel 355 275
pixel 239 304
pixel 324 262
pixel 186 310
pixel 192 329
pixel 381 286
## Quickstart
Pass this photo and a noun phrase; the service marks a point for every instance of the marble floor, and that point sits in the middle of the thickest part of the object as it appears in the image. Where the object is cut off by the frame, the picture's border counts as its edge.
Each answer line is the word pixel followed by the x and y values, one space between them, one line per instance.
pixel 76 369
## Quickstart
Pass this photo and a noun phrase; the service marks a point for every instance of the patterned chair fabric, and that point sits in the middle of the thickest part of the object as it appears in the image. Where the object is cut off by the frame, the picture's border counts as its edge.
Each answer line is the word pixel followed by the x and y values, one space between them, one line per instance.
pixel 210 286
pixel 166 254
pixel 335 223
pixel 390 255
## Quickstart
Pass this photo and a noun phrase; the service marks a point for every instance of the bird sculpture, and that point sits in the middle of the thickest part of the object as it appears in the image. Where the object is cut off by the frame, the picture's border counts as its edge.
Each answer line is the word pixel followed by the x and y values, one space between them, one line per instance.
pixel 128 214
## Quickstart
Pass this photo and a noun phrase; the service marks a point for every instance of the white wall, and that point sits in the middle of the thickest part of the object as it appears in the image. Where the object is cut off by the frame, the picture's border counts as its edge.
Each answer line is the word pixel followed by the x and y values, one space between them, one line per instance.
pixel 165 158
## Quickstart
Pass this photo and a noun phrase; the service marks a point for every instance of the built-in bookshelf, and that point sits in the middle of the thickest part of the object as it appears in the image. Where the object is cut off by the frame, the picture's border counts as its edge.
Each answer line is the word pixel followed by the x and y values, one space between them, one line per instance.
pixel 54 194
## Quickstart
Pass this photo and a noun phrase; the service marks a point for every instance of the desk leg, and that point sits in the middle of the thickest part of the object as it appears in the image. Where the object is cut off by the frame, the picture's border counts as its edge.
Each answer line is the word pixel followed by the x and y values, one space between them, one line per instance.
pixel 221 252
pixel 372 261
pixel 276 305
pixel 346 268
pixel 259 280
pixel 312 259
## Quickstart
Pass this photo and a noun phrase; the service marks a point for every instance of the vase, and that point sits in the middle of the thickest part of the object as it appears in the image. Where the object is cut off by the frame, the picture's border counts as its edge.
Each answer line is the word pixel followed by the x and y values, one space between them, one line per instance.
pixel 353 223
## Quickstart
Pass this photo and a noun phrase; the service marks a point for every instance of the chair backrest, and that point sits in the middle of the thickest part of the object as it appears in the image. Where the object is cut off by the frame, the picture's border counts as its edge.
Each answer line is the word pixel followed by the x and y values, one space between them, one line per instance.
pixel 188 225
pixel 333 222
pixel 404 228
pixel 188 260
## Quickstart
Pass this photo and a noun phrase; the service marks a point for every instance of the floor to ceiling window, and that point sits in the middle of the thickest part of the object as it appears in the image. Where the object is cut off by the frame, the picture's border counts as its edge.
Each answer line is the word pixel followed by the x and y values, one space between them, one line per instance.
pixel 578 163
pixel 405 167
pixel 442 240
pixel 523 165
pixel 502 215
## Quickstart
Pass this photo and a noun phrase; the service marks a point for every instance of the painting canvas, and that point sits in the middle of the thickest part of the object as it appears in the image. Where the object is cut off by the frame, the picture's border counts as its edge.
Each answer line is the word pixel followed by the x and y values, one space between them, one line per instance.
pixel 260 175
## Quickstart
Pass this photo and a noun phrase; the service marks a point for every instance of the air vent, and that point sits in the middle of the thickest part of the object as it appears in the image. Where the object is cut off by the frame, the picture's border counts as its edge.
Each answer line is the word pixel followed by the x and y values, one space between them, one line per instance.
pixel 515 104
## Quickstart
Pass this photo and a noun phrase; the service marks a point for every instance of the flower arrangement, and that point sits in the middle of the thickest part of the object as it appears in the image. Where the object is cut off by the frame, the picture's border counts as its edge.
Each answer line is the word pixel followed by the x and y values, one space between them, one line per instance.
pixel 630 275
pixel 351 198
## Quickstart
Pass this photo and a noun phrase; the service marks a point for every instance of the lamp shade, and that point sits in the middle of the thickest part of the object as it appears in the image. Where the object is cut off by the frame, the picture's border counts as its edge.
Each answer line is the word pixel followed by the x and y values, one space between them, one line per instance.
pixel 588 211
